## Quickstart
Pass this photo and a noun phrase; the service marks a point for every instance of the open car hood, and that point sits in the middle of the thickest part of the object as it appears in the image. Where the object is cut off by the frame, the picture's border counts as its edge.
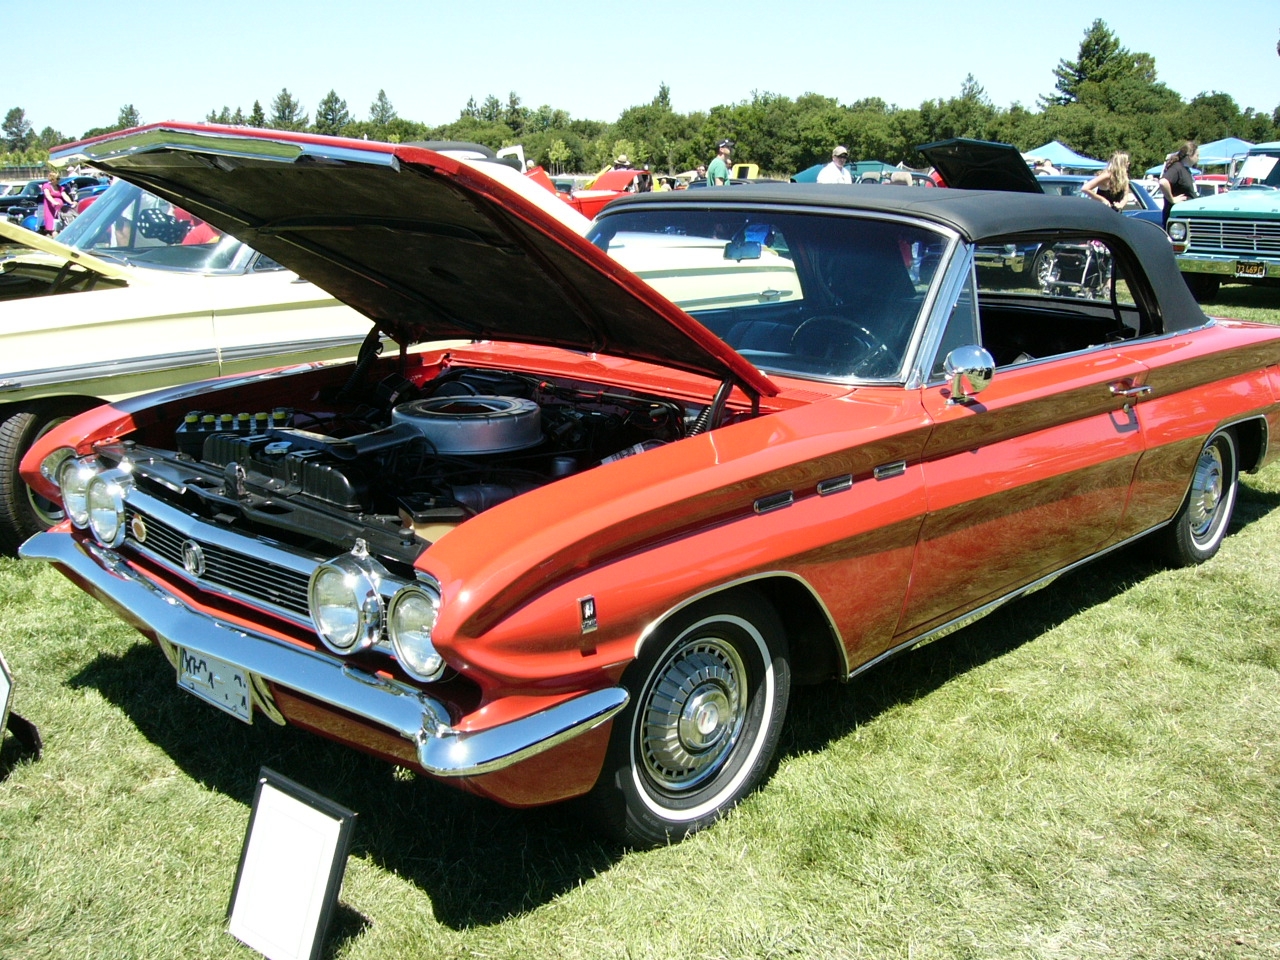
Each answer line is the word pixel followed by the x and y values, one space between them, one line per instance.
pixel 427 246
pixel 981 165
pixel 37 241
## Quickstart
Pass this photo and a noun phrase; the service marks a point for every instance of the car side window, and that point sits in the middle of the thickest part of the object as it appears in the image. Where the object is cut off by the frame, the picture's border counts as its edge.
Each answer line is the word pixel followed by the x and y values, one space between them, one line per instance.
pixel 1058 295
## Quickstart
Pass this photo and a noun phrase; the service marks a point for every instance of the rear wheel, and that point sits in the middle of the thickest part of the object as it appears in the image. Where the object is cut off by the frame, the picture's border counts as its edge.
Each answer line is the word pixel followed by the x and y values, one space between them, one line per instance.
pixel 708 697
pixel 23 512
pixel 1198 529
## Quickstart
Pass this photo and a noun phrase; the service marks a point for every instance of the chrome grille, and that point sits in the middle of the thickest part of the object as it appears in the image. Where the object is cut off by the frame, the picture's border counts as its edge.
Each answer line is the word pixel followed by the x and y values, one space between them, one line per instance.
pixel 1249 237
pixel 227 570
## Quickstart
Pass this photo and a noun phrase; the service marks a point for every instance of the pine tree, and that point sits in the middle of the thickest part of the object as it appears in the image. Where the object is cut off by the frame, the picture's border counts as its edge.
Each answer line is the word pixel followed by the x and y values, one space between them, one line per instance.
pixel 332 114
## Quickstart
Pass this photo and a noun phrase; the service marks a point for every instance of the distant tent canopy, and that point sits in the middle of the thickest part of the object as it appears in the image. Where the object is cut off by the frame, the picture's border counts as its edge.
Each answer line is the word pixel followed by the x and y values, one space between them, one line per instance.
pixel 1217 153
pixel 1063 157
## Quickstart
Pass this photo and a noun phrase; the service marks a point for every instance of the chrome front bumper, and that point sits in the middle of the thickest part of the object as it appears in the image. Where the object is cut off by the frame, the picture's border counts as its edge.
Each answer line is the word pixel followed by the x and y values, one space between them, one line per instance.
pixel 442 750
pixel 1225 265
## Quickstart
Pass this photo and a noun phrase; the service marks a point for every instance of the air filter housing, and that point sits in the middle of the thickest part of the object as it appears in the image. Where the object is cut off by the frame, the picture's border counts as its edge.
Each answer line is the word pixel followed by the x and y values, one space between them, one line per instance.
pixel 474 425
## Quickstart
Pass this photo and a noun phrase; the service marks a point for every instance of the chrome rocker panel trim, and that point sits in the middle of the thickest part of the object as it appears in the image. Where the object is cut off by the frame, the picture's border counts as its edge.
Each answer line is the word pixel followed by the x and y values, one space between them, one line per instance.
pixel 442 750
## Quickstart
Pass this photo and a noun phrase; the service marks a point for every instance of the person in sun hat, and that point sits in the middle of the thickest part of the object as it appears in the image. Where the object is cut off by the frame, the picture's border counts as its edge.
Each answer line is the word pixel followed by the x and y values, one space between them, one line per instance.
pixel 835 172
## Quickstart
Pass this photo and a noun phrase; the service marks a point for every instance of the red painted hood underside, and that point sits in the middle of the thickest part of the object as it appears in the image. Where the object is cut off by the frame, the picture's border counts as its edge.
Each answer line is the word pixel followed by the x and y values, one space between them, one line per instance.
pixel 427 246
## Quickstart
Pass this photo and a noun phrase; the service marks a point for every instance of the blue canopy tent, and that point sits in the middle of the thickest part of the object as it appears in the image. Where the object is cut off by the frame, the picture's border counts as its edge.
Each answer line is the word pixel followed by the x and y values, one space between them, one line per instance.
pixel 1217 153
pixel 1063 157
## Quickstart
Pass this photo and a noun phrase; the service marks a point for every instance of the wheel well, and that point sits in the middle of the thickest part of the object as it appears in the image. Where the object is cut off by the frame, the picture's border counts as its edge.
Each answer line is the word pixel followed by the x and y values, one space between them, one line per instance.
pixel 814 644
pixel 68 404
pixel 1251 443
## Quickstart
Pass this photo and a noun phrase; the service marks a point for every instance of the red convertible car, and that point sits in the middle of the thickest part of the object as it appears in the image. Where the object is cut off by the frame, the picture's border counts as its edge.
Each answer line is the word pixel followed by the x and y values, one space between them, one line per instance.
pixel 589 550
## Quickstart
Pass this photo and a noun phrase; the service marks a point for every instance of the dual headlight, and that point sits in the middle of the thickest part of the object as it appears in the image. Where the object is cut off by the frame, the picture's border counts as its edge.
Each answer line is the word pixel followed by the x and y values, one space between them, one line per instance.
pixel 346 595
pixel 92 496
pixel 349 609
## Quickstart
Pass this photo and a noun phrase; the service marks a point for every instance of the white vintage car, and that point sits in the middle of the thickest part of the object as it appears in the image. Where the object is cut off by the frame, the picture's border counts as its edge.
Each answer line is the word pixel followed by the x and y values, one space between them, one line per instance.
pixel 159 299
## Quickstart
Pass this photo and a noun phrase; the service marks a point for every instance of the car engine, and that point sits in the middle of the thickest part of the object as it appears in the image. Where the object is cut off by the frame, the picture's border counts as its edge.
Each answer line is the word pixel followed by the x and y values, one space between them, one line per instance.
pixel 404 464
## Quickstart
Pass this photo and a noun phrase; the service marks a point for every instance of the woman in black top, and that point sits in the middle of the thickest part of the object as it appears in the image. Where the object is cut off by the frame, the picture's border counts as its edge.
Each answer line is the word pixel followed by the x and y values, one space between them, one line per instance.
pixel 1111 186
pixel 1177 183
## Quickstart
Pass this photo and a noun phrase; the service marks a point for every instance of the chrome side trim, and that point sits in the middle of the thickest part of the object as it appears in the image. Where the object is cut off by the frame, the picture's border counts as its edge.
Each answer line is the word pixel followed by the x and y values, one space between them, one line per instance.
pixel 965 619
pixel 442 750
pixel 887 471
pixel 52 376
pixel 288 348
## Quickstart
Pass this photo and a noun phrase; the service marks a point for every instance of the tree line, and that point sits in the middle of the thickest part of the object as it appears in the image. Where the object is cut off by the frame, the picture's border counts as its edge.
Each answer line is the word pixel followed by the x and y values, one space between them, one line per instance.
pixel 1108 98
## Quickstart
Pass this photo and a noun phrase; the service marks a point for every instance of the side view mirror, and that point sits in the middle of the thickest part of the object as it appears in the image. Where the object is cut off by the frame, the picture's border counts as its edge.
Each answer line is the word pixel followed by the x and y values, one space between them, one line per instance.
pixel 969 369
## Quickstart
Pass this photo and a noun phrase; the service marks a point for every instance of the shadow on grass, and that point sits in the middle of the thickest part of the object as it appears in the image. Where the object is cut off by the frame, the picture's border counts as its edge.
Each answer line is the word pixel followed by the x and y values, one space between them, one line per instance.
pixel 480 863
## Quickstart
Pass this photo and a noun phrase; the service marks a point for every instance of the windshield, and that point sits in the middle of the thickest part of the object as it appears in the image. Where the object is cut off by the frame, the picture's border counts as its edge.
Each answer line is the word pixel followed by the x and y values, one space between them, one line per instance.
pixel 129 225
pixel 827 297
pixel 1261 169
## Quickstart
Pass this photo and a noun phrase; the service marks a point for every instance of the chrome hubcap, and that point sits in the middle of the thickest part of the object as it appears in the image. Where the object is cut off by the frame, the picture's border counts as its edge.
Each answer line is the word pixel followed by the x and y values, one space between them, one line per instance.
pixel 1206 492
pixel 693 714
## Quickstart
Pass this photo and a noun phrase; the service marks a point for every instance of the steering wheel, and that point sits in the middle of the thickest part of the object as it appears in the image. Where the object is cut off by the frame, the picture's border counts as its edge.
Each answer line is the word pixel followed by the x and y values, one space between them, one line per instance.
pixel 852 348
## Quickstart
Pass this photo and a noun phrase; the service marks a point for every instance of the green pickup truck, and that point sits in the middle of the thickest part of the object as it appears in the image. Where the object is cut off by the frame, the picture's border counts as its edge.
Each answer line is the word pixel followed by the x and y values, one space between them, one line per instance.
pixel 1233 237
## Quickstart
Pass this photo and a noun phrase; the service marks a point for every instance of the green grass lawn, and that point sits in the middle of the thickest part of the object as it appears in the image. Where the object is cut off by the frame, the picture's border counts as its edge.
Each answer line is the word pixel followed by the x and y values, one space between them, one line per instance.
pixel 1093 771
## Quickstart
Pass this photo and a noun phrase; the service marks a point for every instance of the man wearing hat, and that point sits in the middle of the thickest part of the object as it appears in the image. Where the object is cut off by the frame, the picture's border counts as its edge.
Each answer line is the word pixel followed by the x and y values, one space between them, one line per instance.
pixel 718 171
pixel 834 172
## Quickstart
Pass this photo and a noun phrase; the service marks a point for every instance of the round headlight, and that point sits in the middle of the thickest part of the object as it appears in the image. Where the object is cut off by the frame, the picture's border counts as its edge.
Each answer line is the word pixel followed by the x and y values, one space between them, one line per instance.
pixel 411 617
pixel 104 502
pixel 345 604
pixel 1178 231
pixel 51 464
pixel 73 482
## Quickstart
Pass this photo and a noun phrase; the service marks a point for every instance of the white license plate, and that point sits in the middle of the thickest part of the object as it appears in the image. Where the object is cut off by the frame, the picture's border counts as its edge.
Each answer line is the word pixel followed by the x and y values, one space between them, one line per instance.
pixel 224 685
pixel 1247 268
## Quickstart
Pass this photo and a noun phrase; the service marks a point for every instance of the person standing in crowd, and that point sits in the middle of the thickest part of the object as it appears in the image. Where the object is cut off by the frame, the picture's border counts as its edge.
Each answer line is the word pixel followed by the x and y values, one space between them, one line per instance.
pixel 1177 182
pixel 53 198
pixel 718 171
pixel 701 172
pixel 834 172
pixel 1111 186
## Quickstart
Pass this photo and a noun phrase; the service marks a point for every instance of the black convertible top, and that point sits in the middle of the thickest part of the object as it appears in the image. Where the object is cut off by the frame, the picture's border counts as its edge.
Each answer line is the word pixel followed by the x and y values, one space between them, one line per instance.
pixel 980 216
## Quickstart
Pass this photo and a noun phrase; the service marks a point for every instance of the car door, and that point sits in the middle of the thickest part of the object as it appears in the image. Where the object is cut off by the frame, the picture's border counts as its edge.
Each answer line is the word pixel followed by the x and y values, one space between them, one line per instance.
pixel 1033 473
pixel 269 317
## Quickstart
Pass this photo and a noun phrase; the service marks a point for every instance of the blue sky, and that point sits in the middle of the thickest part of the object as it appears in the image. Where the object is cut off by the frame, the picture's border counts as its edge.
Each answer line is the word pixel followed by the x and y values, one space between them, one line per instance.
pixel 181 60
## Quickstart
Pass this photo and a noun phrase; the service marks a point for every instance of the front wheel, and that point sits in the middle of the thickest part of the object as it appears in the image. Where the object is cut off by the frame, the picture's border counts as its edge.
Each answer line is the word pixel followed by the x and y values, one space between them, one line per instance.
pixel 23 512
pixel 708 697
pixel 1198 528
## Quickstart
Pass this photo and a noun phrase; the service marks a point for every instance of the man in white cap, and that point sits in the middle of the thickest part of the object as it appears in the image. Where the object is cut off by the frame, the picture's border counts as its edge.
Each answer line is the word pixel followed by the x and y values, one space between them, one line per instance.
pixel 834 172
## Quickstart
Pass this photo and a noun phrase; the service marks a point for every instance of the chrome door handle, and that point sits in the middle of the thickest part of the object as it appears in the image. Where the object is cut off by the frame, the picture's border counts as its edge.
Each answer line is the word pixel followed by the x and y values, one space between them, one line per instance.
pixel 1128 391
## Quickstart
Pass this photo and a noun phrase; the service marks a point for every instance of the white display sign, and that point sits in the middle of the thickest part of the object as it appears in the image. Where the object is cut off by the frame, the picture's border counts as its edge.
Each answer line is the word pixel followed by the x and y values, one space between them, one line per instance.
pixel 291 868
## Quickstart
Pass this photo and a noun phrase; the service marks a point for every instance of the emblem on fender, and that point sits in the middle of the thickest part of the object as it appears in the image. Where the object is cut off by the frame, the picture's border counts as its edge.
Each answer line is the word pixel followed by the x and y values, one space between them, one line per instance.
pixel 193 558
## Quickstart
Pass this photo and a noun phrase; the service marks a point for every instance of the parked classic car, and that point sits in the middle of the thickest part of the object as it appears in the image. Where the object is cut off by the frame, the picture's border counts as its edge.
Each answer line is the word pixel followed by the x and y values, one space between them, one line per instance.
pixel 1233 237
pixel 589 553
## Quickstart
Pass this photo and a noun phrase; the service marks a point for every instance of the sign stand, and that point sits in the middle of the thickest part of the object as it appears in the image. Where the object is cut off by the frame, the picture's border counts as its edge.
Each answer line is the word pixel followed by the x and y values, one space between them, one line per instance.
pixel 291 867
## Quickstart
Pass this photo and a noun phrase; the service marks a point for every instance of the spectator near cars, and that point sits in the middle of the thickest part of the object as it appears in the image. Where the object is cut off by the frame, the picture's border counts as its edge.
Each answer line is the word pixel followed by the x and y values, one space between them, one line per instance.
pixel 835 172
